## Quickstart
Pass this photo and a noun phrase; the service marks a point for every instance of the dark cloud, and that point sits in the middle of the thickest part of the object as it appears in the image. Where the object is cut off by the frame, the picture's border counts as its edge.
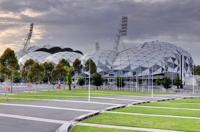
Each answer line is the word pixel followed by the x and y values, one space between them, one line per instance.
pixel 80 23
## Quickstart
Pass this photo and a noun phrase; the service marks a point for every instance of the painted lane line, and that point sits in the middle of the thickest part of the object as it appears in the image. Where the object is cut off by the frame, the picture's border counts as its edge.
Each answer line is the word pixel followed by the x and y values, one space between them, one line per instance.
pixel 33 118
pixel 73 101
pixel 124 127
pixel 119 99
pixel 178 103
pixel 178 96
pixel 157 107
pixel 153 115
pixel 47 107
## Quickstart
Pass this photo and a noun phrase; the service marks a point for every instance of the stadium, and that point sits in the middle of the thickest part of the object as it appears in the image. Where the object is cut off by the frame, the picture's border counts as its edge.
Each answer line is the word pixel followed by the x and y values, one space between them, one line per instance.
pixel 150 58
pixel 142 62
pixel 158 59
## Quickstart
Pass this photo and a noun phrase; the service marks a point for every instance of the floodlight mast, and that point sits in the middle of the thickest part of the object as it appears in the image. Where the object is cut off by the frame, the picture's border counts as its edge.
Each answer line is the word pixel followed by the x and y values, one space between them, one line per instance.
pixel 122 31
pixel 28 38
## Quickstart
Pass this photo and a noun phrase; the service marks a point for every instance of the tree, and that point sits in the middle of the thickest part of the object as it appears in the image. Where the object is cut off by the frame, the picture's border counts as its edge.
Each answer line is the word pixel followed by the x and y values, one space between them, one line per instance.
pixel 166 82
pixel 64 62
pixel 69 72
pixel 77 66
pixel 92 67
pixel 26 67
pixel 9 64
pixel 9 60
pixel 97 80
pixel 196 70
pixel 159 81
pixel 178 81
pixel 36 73
pixel 81 81
pixel 17 78
pixel 48 68
pixel 120 82
pixel 59 73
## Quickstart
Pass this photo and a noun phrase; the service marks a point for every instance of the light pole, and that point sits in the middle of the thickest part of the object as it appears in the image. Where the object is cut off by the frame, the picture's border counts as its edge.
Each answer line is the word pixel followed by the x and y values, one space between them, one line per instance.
pixel 193 91
pixel 136 82
pixel 89 83
pixel 152 83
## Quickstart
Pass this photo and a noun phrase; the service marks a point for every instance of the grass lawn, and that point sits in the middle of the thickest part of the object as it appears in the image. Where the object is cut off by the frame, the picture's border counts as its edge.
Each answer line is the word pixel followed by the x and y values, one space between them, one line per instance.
pixel 97 129
pixel 189 125
pixel 195 100
pixel 175 105
pixel 135 109
pixel 3 99
pixel 66 94
pixel 166 123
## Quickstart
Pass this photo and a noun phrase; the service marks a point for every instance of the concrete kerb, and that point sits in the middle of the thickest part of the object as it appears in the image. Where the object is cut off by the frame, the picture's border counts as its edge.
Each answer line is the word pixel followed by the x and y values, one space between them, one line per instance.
pixel 67 127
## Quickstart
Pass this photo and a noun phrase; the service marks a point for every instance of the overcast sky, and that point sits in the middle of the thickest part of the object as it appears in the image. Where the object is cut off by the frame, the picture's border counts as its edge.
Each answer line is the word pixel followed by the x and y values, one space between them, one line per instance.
pixel 80 23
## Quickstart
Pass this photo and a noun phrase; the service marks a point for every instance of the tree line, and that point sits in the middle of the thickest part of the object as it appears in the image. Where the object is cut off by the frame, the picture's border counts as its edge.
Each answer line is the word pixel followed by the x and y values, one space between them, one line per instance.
pixel 46 72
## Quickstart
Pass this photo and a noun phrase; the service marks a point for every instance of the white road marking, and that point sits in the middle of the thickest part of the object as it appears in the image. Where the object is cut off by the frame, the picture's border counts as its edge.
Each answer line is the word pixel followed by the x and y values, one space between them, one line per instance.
pixel 153 115
pixel 119 99
pixel 47 107
pixel 82 97
pixel 178 103
pixel 157 107
pixel 124 127
pixel 75 101
pixel 178 96
pixel 33 118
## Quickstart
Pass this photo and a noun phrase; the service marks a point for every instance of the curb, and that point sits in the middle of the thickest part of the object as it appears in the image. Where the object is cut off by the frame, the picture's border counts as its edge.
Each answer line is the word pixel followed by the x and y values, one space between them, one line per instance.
pixel 66 127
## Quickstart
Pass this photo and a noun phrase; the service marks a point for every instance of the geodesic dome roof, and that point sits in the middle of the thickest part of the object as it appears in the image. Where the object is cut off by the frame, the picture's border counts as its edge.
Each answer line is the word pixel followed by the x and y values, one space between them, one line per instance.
pixel 39 57
pixel 69 56
pixel 48 53
pixel 149 58
pixel 104 58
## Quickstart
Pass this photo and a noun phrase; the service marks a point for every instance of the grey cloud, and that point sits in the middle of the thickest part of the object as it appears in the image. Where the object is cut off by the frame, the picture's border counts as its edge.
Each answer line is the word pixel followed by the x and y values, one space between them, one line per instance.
pixel 80 23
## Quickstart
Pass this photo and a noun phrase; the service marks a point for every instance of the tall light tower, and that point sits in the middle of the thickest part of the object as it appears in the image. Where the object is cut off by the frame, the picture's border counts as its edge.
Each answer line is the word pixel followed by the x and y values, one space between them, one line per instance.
pixel 122 31
pixel 28 37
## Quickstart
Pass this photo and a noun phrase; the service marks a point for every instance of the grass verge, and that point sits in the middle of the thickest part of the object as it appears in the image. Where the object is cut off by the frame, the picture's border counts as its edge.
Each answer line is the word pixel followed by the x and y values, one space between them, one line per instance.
pixel 189 125
pixel 97 129
pixel 160 111
pixel 79 92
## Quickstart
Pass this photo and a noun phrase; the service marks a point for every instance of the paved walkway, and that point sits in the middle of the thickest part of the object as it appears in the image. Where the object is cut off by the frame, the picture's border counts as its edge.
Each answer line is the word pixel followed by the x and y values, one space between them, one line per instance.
pixel 42 115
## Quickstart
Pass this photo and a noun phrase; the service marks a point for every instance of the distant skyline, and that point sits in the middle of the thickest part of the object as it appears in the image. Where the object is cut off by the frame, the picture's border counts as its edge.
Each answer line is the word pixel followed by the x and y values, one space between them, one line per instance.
pixel 79 24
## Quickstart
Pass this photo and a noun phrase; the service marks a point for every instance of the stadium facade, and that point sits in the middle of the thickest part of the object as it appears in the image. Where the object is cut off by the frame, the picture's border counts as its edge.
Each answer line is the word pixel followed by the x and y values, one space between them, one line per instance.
pixel 150 59
pixel 157 59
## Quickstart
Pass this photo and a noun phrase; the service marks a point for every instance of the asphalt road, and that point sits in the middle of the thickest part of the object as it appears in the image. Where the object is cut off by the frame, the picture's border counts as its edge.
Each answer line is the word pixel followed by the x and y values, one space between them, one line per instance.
pixel 47 116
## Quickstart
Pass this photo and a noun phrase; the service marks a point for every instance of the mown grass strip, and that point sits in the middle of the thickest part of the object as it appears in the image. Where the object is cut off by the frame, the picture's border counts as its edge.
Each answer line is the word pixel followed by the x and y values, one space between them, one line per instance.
pixel 178 124
pixel 174 105
pixel 79 128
